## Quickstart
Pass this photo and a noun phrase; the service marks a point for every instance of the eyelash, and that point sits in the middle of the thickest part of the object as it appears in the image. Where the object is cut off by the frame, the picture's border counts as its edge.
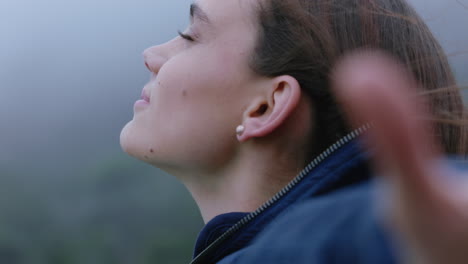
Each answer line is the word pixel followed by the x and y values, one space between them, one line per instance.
pixel 185 36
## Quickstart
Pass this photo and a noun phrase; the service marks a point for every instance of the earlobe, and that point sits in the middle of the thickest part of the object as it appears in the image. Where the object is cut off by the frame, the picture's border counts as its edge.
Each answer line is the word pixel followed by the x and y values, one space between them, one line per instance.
pixel 266 115
pixel 240 130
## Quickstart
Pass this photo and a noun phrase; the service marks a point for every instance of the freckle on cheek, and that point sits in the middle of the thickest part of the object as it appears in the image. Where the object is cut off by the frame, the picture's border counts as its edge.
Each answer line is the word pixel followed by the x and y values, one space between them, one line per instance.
pixel 184 93
pixel 151 150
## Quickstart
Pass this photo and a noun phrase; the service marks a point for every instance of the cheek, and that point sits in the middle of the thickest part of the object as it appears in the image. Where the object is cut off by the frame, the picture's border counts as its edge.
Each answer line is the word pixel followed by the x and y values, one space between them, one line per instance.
pixel 192 115
pixel 198 84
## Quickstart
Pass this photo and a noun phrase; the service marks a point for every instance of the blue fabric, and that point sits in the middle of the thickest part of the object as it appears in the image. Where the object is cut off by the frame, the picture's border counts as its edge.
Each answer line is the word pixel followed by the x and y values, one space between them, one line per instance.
pixel 337 228
pixel 215 228
pixel 327 218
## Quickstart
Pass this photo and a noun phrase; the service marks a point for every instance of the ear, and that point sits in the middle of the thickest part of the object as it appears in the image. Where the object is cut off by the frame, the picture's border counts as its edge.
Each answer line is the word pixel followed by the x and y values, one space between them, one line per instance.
pixel 267 113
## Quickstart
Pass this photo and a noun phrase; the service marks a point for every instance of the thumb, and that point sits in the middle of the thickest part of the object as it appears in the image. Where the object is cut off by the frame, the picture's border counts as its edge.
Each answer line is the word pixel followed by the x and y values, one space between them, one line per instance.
pixel 375 89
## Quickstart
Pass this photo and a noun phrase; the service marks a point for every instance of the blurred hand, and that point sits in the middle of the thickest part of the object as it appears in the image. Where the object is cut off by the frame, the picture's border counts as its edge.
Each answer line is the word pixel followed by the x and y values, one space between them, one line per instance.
pixel 429 211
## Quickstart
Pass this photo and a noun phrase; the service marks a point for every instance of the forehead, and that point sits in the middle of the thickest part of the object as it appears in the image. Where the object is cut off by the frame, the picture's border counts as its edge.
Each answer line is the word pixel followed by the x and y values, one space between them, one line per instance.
pixel 233 29
pixel 228 12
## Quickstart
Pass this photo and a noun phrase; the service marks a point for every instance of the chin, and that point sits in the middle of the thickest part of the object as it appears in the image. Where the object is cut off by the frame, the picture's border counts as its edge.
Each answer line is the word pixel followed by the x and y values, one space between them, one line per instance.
pixel 126 142
pixel 132 143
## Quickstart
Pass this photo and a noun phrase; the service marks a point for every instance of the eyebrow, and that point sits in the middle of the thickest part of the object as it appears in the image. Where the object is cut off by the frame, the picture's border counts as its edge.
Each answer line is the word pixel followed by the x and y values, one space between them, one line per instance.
pixel 197 12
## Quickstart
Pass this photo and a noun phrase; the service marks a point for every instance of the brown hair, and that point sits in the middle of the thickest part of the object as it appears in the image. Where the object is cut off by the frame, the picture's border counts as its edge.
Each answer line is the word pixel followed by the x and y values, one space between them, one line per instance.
pixel 306 38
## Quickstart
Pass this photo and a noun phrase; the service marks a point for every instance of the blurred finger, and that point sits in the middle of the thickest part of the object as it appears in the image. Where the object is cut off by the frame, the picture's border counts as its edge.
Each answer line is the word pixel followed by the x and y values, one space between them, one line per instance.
pixel 373 88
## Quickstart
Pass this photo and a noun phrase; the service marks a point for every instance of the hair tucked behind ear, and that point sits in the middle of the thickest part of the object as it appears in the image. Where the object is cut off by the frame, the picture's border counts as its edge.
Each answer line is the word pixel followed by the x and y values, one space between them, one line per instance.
pixel 306 38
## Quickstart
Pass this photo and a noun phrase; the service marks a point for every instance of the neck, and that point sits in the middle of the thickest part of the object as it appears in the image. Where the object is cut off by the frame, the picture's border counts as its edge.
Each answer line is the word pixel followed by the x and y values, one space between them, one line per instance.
pixel 243 185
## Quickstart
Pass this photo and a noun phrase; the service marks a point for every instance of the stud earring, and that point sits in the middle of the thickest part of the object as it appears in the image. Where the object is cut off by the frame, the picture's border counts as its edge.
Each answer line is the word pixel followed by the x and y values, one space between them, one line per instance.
pixel 240 129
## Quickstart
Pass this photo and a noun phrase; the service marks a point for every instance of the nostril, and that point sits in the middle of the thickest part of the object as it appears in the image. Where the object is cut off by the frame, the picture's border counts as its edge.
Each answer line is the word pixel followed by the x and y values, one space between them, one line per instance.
pixel 147 65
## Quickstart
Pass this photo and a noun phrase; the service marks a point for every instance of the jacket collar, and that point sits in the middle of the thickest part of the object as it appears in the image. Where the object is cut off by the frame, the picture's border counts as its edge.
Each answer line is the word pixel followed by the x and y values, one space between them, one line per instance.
pixel 215 228
pixel 346 166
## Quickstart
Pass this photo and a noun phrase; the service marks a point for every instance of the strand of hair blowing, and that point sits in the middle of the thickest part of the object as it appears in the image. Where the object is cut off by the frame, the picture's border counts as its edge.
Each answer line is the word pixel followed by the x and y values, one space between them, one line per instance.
pixel 306 38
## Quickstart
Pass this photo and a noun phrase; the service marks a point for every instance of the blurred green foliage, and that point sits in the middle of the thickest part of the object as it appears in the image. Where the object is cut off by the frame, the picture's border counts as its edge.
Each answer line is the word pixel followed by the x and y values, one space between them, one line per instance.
pixel 121 211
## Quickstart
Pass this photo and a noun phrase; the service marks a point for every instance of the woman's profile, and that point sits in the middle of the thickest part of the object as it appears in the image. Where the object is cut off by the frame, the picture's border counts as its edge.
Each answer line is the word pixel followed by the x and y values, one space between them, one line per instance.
pixel 278 115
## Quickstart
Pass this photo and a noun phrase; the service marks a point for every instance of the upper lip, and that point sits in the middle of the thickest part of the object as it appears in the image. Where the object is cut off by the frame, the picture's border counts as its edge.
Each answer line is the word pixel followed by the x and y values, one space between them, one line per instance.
pixel 144 96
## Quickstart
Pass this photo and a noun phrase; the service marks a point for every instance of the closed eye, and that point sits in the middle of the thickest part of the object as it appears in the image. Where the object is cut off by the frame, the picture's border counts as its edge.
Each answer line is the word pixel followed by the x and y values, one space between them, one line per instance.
pixel 185 36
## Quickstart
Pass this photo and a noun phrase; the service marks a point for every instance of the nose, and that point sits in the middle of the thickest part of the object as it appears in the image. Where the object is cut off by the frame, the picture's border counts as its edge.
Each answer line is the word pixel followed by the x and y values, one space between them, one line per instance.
pixel 154 58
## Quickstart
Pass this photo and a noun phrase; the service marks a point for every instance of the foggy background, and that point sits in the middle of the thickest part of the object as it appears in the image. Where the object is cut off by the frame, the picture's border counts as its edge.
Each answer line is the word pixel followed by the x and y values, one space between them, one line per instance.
pixel 70 71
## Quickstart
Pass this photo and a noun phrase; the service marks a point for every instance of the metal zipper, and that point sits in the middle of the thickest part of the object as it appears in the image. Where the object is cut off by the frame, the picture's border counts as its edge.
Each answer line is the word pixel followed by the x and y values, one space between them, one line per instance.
pixel 248 218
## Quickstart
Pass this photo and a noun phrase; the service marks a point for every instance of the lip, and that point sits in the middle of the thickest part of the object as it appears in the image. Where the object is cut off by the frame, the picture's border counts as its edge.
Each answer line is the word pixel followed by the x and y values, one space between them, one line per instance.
pixel 144 96
pixel 143 102
pixel 140 105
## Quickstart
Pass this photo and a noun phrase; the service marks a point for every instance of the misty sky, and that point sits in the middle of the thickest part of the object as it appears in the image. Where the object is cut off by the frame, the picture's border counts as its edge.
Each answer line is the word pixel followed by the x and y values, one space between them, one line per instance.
pixel 70 71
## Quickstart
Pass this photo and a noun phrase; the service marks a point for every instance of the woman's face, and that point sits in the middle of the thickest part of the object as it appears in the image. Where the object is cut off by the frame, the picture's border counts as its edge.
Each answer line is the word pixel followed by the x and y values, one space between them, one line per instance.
pixel 198 91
